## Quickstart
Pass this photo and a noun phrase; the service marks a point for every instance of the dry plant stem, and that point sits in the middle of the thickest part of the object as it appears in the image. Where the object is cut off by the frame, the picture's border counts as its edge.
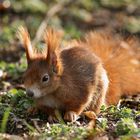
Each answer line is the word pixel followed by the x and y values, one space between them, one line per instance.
pixel 53 11
pixel 36 126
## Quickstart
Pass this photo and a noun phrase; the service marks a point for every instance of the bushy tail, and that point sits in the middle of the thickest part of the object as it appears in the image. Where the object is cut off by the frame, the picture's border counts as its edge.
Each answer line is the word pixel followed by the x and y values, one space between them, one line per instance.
pixel 119 60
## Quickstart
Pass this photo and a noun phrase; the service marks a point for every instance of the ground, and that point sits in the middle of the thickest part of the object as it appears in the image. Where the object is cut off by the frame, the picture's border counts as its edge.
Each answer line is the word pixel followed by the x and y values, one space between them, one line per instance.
pixel 73 19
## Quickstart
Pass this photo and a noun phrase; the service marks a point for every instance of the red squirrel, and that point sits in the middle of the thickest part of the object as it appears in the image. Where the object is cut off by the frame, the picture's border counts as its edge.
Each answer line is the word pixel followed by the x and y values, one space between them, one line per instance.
pixel 90 73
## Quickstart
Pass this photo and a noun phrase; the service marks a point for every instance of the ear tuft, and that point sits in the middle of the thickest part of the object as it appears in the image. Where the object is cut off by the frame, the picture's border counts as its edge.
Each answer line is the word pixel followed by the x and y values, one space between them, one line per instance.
pixel 24 37
pixel 52 40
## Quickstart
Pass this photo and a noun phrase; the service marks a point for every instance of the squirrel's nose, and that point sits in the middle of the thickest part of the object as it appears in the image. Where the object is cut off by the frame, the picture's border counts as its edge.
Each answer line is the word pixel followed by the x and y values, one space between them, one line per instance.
pixel 30 93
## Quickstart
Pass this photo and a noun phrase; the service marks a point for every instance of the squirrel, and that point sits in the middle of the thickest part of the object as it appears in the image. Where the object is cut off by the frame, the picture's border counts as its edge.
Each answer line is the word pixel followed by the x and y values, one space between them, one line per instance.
pixel 92 72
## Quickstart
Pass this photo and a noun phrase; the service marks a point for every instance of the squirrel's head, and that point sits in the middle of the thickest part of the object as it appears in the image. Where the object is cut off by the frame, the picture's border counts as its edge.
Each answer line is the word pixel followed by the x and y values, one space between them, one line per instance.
pixel 44 70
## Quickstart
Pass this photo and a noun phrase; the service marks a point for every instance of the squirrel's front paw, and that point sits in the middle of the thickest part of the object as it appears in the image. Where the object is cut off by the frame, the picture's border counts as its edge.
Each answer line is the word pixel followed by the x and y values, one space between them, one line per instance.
pixel 70 116
pixel 52 119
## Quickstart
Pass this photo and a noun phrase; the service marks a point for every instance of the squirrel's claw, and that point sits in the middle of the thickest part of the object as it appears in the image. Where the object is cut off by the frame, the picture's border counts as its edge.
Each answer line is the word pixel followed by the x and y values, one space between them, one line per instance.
pixel 52 119
pixel 70 116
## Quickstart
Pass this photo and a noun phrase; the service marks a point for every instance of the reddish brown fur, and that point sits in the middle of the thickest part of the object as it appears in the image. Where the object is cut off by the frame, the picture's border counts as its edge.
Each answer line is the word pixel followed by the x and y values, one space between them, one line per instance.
pixel 78 80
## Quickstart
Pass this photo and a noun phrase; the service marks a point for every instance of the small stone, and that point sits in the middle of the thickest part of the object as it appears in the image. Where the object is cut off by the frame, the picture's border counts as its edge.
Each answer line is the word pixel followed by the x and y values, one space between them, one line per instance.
pixel 77 123
pixel 19 126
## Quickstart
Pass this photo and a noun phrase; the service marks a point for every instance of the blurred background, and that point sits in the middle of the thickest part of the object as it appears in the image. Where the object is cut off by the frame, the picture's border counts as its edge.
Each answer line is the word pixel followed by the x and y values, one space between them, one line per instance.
pixel 72 17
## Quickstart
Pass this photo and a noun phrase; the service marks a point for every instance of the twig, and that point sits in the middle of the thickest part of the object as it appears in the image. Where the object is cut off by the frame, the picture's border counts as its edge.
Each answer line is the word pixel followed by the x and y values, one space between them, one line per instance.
pixel 36 125
pixel 53 11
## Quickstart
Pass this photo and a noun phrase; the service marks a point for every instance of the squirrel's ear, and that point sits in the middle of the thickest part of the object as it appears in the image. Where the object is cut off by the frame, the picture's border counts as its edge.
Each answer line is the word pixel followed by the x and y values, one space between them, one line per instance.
pixel 25 39
pixel 52 40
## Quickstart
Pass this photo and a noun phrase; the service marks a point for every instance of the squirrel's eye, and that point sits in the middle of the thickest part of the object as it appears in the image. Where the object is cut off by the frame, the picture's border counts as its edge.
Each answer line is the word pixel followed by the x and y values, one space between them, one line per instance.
pixel 45 78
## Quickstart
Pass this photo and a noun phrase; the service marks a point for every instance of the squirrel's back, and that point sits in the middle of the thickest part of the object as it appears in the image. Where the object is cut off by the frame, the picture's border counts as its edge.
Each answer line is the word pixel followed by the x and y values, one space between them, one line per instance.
pixel 120 63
